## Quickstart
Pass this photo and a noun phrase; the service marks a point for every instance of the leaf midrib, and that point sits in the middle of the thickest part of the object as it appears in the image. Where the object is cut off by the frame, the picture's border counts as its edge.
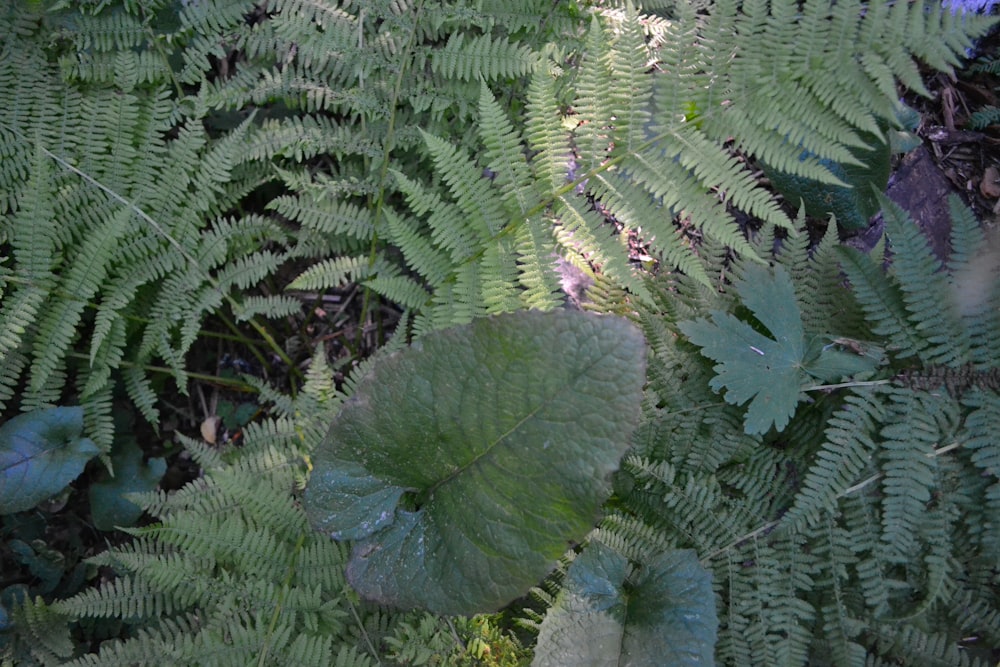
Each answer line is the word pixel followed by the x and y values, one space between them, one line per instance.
pixel 429 493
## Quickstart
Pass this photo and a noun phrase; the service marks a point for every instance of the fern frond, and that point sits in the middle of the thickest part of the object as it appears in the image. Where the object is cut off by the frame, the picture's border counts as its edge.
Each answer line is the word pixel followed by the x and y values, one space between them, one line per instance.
pixel 916 646
pixel 836 552
pixel 536 272
pixel 583 228
pixel 591 137
pixel 482 57
pixel 325 215
pixel 924 289
pixel 850 443
pixel 173 639
pixel 882 302
pixel 984 415
pixel 421 256
pixel 545 135
pixel 470 188
pixel 82 280
pixel 125 598
pixel 498 277
pixel 631 92
pixel 446 221
pixel 273 306
pixel 504 154
pixel 332 273
pixel 34 241
pixel 984 116
pixel 909 466
pixel 974 284
pixel 43 634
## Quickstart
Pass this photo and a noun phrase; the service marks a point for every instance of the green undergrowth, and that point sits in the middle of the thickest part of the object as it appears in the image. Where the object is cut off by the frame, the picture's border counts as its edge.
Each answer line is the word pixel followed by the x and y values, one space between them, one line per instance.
pixel 754 451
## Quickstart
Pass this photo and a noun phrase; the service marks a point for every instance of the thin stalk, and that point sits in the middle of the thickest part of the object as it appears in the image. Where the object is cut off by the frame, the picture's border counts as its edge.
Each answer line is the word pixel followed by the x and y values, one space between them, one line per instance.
pixel 231 383
pixel 384 167
pixel 842 385
pixel 846 492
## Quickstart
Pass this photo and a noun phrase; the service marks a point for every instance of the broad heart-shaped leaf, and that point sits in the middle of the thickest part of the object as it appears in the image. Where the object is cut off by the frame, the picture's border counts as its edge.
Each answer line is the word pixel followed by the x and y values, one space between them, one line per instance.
pixel 467 464
pixel 40 453
pixel 109 506
pixel 663 614
pixel 752 365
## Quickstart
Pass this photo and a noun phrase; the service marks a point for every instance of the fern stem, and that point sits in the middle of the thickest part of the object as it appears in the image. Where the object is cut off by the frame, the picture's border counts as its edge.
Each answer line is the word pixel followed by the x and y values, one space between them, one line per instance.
pixel 236 332
pixel 874 478
pixel 740 540
pixel 361 627
pixel 384 167
pixel 770 525
pixel 841 385
pixel 272 627
pixel 158 47
pixel 231 383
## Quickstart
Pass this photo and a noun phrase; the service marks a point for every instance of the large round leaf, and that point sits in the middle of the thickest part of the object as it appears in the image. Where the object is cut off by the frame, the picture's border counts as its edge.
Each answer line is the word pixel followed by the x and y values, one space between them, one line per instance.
pixel 660 614
pixel 466 464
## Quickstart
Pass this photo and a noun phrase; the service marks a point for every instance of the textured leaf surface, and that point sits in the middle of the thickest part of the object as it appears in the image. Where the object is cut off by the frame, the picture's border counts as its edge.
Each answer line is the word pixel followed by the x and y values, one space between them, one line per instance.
pixel 467 463
pixel 751 364
pixel 663 614
pixel 40 453
pixel 852 205
pixel 109 505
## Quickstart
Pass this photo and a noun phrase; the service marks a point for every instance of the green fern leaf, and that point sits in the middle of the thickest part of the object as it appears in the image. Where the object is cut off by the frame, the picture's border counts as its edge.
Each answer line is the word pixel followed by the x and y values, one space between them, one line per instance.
pixel 421 256
pixel 504 154
pixel 849 445
pixel 82 281
pixel 545 135
pixel 482 57
pixel 882 302
pixel 924 289
pixel 332 273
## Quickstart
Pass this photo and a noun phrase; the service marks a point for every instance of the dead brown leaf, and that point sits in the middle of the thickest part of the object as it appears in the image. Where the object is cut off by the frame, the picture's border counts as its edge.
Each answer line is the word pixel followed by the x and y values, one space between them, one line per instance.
pixel 989 186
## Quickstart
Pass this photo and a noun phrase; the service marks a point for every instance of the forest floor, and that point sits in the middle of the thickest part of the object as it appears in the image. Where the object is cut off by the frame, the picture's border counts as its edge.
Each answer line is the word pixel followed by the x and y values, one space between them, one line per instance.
pixel 952 158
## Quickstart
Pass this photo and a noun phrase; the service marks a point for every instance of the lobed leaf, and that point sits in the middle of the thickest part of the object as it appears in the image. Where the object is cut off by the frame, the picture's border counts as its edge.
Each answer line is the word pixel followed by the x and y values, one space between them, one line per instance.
pixel 766 370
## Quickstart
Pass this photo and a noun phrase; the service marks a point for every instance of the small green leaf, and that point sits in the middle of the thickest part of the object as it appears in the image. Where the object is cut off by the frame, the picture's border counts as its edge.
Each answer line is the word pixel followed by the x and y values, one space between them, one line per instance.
pixel 109 504
pixel 660 614
pixel 767 370
pixel 41 452
pixel 839 358
pixel 45 563
pixel 466 464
